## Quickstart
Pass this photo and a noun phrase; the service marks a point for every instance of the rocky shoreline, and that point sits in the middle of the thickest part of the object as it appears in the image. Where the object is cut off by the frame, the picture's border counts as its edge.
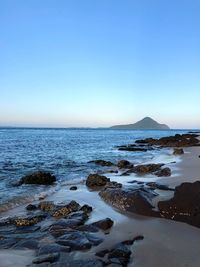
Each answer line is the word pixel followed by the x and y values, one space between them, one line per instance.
pixel 54 231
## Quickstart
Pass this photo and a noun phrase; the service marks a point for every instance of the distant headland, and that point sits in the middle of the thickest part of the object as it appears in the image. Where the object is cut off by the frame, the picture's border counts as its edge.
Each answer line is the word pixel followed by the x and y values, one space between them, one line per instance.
pixel 145 124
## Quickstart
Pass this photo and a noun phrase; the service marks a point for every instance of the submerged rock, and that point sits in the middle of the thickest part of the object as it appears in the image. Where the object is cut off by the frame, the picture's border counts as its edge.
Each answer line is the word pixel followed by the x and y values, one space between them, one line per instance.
pixel 31 207
pixel 164 172
pixel 95 180
pixel 47 258
pixel 80 263
pixel 178 151
pixel 101 162
pixel 184 206
pixel 132 148
pixel 124 164
pixel 40 178
pixel 73 188
pixel 154 186
pixel 52 248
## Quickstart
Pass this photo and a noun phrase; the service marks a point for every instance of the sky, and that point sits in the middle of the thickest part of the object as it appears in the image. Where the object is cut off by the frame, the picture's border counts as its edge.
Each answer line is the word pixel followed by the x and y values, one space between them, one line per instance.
pixel 97 63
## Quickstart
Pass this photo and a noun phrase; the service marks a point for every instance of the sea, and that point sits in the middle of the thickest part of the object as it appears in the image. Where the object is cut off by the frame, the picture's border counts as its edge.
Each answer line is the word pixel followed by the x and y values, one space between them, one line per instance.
pixel 66 154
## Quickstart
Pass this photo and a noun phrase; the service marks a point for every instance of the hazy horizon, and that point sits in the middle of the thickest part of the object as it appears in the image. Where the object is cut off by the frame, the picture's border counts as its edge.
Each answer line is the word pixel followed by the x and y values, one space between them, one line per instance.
pixel 99 63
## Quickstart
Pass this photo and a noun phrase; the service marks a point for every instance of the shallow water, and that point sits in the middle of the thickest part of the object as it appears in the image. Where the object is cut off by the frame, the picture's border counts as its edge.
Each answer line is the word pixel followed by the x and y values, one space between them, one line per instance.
pixel 63 152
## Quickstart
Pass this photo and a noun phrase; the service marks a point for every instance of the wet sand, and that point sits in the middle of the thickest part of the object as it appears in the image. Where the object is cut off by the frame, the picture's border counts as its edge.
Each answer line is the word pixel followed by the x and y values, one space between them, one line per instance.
pixel 166 243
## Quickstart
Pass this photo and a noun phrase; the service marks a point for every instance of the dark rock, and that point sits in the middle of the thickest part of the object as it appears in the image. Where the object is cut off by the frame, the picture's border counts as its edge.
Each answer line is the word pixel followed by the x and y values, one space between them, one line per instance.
pixel 47 258
pixel 42 178
pixel 104 224
pixel 132 148
pixel 30 244
pixel 79 240
pixel 124 164
pixel 73 188
pixel 95 180
pixel 102 253
pixel 184 206
pixel 120 252
pixel 64 210
pixel 163 172
pixel 154 186
pixel 86 208
pixel 131 241
pixel 80 263
pixel 88 228
pixel 113 184
pixel 6 243
pixel 102 162
pixel 147 168
pixel 53 248
pixel 136 200
pixel 178 151
pixel 46 205
pixel 31 207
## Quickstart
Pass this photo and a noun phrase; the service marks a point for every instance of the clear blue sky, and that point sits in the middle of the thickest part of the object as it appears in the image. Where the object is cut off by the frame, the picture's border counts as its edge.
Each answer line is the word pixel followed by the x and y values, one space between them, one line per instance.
pixel 99 62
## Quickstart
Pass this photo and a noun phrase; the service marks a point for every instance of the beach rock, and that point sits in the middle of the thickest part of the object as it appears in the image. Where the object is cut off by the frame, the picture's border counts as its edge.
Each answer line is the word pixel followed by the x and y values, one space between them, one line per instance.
pixel 80 263
pixel 145 169
pixel 88 228
pixel 184 206
pixel 164 172
pixel 73 188
pixel 53 248
pixel 6 243
pixel 132 148
pixel 120 253
pixel 131 241
pixel 40 178
pixel 154 186
pixel 64 210
pixel 124 164
pixel 104 224
pixel 80 215
pixel 113 184
pixel 30 244
pixel 102 253
pixel 178 151
pixel 26 221
pixel 31 207
pixel 95 180
pixel 136 200
pixel 79 240
pixel 86 208
pixel 46 258
pixel 46 206
pixel 101 162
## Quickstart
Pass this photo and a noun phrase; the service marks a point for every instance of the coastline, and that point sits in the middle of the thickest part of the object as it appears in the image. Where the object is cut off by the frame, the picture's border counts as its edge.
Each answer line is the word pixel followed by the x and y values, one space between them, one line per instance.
pixel 166 243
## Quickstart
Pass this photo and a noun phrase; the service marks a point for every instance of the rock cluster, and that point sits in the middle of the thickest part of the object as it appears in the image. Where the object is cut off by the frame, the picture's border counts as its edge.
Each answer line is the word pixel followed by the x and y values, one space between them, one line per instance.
pixel 155 169
pixel 179 140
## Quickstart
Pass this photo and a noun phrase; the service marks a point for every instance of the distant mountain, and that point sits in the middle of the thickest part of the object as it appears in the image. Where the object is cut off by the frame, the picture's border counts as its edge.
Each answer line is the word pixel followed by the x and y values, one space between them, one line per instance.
pixel 145 124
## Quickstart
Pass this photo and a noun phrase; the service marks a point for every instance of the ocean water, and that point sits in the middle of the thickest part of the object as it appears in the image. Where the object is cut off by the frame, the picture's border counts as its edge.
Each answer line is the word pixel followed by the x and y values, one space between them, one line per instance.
pixel 63 152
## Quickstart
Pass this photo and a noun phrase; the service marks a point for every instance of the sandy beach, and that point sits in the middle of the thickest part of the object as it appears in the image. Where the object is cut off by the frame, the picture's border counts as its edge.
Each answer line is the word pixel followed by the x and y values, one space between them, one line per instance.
pixel 166 242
